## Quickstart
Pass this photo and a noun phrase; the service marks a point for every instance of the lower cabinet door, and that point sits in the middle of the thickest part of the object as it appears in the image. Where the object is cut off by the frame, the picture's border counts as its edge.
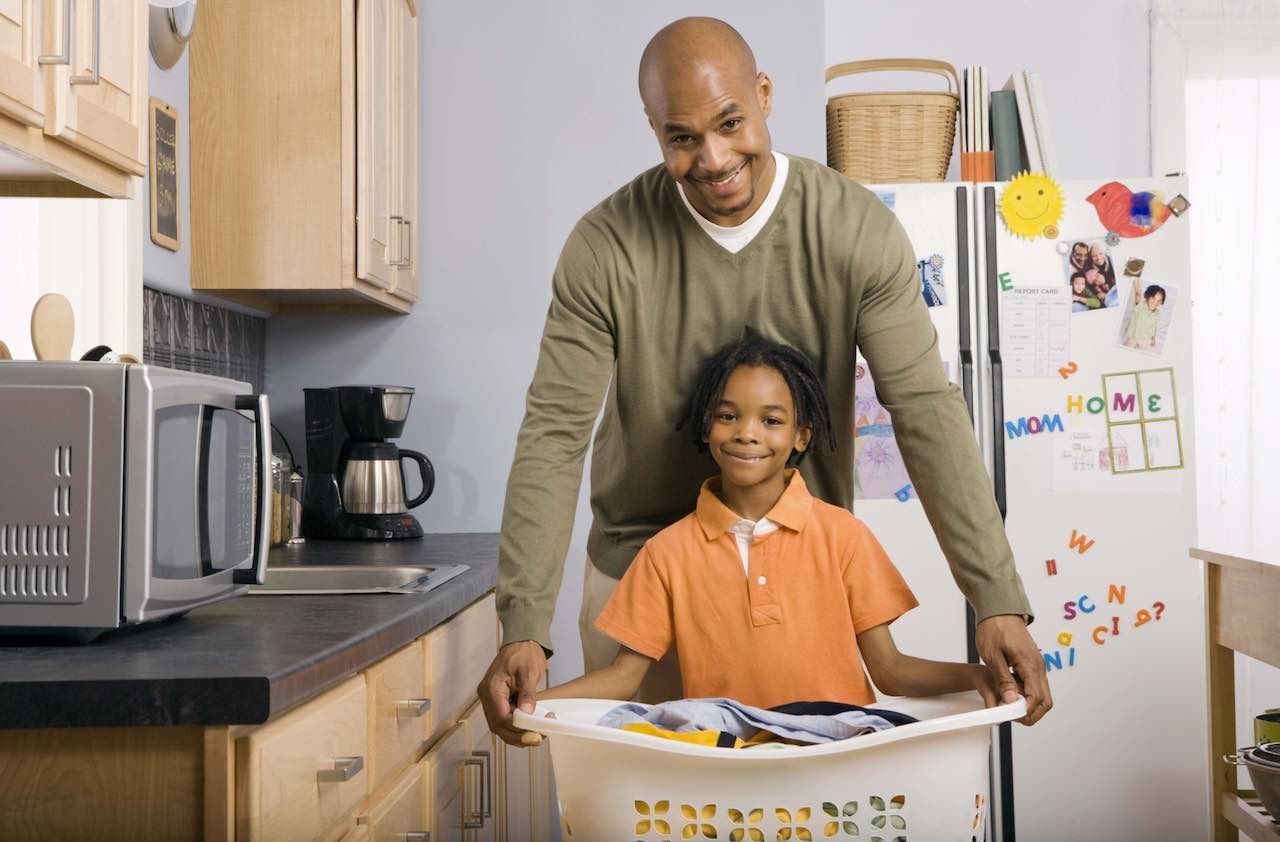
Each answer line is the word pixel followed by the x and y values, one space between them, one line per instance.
pixel 402 813
pixel 443 767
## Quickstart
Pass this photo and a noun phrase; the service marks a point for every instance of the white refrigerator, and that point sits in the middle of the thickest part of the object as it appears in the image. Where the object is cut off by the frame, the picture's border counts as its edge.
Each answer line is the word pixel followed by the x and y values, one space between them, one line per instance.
pixel 1081 404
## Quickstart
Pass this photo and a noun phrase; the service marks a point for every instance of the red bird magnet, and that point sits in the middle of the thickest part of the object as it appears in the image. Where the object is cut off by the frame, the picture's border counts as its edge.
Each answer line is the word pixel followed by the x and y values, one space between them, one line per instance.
pixel 1129 214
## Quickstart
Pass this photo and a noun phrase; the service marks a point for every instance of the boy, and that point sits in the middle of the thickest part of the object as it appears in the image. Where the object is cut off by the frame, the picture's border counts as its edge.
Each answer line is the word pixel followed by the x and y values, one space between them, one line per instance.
pixel 769 595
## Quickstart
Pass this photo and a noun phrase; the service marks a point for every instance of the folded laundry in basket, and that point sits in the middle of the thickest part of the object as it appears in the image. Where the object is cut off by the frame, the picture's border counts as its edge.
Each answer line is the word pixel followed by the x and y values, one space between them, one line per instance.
pixel 806 722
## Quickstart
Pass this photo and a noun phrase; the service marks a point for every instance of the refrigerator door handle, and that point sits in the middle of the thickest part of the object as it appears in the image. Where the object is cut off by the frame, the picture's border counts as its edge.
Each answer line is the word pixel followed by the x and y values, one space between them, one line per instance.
pixel 993 352
pixel 962 263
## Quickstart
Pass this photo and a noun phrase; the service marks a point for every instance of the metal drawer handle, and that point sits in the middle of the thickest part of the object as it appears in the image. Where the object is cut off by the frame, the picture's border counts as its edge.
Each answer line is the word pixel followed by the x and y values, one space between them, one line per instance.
pixel 412 708
pixel 344 769
pixel 418 836
pixel 92 78
pixel 472 818
pixel 486 783
pixel 399 234
pixel 65 56
pixel 407 240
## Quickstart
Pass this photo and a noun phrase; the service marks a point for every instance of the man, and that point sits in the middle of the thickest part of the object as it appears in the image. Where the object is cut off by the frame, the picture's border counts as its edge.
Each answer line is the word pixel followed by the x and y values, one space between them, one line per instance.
pixel 672 266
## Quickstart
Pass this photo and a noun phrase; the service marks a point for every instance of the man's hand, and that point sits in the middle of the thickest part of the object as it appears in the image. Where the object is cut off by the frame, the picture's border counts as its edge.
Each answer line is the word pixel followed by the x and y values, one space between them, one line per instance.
pixel 517 671
pixel 1003 642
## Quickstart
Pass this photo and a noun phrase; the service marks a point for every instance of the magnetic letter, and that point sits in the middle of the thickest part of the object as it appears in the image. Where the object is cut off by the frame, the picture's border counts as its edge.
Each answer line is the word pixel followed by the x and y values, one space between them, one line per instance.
pixel 1006 283
pixel 1051 564
pixel 1123 404
pixel 1015 432
pixel 1086 609
pixel 1099 640
pixel 1144 616
pixel 1115 626
pixel 1095 408
pixel 1116 594
pixel 1050 424
pixel 1068 610
pixel 1068 370
pixel 1033 425
pixel 1079 542
pixel 1075 403
pixel 904 493
pixel 1052 661
pixel 1071 661
pixel 1064 639
pixel 1153 403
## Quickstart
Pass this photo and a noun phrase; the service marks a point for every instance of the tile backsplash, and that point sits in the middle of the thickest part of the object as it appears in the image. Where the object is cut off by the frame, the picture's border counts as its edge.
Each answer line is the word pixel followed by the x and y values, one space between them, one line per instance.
pixel 187 335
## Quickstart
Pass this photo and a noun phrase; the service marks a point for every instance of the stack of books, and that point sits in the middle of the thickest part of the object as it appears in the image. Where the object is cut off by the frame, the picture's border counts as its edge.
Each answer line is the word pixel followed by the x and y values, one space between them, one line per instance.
pixel 1004 132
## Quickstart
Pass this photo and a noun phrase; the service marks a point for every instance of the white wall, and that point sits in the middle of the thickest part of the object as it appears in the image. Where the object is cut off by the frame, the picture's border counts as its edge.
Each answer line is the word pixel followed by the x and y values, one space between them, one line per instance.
pixel 79 248
pixel 1092 55
pixel 530 116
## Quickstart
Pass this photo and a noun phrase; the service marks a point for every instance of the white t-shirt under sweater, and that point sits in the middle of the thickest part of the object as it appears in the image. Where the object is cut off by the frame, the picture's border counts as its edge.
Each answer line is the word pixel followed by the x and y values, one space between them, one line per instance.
pixel 735 238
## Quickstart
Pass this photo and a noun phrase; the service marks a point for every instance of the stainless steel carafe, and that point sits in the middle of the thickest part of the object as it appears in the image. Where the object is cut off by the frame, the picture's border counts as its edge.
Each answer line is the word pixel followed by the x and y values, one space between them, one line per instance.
pixel 373 479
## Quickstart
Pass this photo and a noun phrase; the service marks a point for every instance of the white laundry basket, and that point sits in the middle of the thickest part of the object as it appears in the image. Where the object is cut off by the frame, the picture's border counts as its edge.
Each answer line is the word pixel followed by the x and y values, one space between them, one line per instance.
pixel 923 782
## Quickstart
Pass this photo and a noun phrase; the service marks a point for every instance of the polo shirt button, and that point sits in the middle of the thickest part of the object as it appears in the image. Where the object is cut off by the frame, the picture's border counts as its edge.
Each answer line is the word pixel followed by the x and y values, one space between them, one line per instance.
pixel 761 580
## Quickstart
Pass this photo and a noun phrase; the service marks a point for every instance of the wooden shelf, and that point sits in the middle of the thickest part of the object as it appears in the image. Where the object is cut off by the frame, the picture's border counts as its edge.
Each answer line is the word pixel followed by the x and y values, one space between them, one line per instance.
pixel 1240 597
pixel 1245 811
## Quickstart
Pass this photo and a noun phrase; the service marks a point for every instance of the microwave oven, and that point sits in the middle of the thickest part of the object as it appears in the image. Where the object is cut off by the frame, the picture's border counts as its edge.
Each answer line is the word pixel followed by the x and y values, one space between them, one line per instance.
pixel 128 493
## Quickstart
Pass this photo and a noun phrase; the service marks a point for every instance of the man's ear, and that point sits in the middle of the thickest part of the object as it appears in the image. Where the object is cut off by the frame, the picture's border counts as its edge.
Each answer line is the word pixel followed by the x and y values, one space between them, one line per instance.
pixel 764 93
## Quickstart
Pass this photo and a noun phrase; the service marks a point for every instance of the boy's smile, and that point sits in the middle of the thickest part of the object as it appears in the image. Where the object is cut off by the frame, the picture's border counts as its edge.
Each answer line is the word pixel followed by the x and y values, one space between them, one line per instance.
pixel 752 435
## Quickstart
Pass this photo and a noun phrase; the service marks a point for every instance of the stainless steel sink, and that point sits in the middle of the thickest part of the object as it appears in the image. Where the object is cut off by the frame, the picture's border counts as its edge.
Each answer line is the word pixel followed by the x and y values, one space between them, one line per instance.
pixel 355 578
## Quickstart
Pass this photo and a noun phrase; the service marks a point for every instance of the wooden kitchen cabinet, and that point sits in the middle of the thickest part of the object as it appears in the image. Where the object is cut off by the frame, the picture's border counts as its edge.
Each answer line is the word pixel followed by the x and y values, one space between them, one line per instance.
pixel 306 167
pixel 73 93
pixel 340 767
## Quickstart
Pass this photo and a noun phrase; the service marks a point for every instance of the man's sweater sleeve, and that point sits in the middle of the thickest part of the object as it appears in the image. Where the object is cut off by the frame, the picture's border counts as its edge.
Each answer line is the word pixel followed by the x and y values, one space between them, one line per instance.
pixel 931 423
pixel 575 363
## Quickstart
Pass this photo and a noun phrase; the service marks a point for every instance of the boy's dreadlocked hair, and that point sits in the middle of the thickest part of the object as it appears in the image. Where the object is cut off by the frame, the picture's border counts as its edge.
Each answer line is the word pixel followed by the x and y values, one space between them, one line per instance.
pixel 753 349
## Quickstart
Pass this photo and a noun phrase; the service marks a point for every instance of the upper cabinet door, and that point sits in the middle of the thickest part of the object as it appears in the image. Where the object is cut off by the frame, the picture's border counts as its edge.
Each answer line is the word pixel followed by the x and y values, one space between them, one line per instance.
pixel 406 276
pixel 377 233
pixel 97 101
pixel 21 94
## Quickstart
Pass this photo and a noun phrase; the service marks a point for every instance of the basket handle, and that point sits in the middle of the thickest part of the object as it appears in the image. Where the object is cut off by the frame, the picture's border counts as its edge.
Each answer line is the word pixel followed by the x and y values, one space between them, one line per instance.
pixel 923 65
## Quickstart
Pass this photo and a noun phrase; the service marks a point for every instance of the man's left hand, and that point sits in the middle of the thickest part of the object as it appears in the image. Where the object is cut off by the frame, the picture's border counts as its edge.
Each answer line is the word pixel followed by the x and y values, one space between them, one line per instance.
pixel 1005 645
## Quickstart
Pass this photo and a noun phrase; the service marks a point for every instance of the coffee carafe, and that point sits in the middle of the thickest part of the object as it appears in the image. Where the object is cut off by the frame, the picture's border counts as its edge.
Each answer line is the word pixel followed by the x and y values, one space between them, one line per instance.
pixel 355 484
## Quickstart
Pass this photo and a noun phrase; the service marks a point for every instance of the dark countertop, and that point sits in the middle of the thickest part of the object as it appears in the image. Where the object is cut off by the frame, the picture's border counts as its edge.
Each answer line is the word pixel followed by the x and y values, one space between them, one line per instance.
pixel 244 660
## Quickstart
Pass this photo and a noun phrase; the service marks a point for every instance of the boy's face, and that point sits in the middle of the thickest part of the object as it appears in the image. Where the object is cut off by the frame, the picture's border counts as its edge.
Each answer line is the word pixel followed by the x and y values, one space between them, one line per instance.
pixel 1077 283
pixel 1155 301
pixel 753 428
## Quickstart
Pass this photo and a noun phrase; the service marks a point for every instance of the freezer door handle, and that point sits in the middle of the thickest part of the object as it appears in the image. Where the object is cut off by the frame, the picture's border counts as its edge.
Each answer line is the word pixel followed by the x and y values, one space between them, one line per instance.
pixel 993 351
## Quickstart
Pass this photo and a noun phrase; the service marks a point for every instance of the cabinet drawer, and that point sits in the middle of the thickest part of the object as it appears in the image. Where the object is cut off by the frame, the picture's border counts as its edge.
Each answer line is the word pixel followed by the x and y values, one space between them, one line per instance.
pixel 399 711
pixel 299 776
pixel 401 813
pixel 458 653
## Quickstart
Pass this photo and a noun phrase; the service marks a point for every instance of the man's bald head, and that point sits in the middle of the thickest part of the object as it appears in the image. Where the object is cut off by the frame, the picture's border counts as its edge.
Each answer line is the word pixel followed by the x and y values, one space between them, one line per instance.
pixel 688 46
pixel 707 106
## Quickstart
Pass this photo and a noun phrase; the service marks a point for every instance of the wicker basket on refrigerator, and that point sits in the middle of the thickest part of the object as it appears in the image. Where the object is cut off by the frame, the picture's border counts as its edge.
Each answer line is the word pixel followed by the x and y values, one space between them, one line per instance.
pixel 892 136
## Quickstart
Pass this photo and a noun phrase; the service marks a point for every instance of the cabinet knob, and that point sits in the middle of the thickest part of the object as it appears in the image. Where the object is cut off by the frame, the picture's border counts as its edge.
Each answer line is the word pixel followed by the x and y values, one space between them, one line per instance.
pixel 344 769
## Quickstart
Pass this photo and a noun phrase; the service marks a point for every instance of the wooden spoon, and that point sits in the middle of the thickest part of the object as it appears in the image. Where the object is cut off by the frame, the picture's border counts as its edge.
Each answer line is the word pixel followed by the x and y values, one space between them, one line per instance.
pixel 53 324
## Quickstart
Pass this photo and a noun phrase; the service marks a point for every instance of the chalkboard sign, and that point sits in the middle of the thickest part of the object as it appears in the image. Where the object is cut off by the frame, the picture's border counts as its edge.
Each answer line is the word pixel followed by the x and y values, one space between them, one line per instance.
pixel 164 175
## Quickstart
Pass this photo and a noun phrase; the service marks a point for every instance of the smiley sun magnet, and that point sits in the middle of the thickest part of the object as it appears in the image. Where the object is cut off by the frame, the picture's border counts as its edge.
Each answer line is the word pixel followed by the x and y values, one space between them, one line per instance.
pixel 1031 203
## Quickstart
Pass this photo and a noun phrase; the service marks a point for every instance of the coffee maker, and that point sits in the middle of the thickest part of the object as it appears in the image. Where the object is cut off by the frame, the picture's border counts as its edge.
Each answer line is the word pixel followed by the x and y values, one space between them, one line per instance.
pixel 355 485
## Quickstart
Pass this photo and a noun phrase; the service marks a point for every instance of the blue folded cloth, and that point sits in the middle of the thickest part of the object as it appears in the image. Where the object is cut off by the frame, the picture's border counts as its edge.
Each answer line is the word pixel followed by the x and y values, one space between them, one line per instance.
pixel 809 722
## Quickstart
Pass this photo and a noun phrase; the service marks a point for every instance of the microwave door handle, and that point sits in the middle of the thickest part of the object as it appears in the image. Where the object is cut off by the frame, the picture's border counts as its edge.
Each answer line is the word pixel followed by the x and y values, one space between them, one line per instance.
pixel 262 424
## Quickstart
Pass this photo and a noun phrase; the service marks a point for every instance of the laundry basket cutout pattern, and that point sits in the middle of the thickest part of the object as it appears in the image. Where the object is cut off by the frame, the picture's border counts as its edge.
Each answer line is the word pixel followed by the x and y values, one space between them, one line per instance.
pixel 836 821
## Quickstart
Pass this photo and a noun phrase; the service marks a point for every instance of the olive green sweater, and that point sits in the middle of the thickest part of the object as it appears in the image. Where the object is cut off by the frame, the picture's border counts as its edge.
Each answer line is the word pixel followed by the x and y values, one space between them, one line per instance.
pixel 642 296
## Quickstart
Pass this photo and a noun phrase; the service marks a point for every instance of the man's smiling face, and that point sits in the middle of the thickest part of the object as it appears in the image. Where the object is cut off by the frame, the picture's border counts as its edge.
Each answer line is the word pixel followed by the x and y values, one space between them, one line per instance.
pixel 709 119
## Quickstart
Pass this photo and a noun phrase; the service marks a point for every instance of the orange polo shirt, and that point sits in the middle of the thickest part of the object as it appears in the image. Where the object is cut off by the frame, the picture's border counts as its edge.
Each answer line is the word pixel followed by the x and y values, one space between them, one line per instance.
pixel 783 633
